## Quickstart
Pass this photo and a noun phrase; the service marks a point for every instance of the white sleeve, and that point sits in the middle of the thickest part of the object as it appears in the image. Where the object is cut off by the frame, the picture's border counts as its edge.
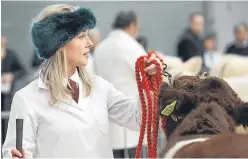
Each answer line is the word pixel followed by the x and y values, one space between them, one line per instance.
pixel 122 110
pixel 135 54
pixel 20 109
pixel 125 110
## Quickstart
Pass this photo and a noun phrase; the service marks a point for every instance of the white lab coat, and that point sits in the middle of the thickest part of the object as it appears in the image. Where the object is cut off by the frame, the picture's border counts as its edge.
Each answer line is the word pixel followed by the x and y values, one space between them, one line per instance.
pixel 114 60
pixel 69 129
pixel 212 58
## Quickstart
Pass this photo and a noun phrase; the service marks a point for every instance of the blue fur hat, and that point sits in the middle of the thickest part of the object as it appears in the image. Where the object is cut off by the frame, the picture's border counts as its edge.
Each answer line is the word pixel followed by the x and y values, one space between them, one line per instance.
pixel 57 30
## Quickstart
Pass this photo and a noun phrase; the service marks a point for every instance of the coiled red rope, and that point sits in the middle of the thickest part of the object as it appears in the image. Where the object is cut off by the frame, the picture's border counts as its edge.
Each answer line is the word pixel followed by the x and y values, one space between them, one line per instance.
pixel 150 86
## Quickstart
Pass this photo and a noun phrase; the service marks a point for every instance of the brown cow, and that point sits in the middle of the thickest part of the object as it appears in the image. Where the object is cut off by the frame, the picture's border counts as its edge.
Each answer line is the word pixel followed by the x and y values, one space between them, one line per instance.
pixel 203 117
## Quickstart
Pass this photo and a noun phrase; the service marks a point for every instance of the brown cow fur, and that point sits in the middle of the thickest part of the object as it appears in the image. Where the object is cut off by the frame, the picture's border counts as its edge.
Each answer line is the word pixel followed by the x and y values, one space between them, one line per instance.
pixel 218 146
pixel 206 107
pixel 207 119
pixel 190 95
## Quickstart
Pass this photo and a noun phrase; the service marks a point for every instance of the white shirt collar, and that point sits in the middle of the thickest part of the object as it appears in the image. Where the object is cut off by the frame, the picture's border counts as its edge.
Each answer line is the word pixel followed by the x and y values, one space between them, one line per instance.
pixel 74 77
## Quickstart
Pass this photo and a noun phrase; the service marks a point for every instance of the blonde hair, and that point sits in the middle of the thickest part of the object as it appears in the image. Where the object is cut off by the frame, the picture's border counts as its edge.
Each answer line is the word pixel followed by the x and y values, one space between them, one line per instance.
pixel 54 69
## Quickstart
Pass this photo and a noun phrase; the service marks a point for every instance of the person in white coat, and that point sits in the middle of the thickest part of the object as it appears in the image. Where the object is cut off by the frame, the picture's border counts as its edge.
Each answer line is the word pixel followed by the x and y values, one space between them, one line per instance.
pixel 94 35
pixel 66 112
pixel 122 50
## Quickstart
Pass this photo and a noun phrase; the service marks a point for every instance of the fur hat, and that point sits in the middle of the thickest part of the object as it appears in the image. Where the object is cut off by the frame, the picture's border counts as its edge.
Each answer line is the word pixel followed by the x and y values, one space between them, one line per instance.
pixel 57 30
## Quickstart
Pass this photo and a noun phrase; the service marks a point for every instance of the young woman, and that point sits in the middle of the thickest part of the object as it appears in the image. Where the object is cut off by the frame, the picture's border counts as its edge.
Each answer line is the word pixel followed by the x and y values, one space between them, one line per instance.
pixel 66 112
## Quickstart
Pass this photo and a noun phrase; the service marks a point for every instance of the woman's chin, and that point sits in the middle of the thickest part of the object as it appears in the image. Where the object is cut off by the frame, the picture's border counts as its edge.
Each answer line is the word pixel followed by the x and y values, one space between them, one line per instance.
pixel 83 63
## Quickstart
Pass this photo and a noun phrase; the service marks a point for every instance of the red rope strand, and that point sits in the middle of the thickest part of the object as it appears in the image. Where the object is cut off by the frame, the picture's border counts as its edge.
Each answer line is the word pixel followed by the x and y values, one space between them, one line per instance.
pixel 150 85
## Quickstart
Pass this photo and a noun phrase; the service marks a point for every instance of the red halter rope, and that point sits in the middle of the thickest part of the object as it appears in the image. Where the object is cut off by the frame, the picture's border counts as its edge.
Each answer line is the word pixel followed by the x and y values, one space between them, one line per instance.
pixel 150 85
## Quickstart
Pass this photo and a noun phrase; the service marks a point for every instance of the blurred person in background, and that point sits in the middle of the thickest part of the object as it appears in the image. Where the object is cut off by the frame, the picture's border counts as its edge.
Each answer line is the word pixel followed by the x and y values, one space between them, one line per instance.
pixel 143 41
pixel 94 35
pixel 190 43
pixel 211 56
pixel 240 45
pixel 121 50
pixel 12 70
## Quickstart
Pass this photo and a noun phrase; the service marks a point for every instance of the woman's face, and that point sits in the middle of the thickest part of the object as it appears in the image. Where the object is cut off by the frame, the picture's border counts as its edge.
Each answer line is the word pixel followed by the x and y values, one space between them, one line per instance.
pixel 77 50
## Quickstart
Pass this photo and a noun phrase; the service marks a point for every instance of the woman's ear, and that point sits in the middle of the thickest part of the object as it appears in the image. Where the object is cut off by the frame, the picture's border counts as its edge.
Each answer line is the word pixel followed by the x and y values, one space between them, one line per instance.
pixel 62 49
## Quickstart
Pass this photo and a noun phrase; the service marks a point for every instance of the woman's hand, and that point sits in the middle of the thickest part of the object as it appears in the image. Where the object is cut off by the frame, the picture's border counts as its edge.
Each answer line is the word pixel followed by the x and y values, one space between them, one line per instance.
pixel 17 154
pixel 151 68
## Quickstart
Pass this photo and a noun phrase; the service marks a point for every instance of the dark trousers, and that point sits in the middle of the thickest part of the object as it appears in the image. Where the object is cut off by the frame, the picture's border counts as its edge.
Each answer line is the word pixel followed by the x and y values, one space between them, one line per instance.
pixel 5 106
pixel 3 125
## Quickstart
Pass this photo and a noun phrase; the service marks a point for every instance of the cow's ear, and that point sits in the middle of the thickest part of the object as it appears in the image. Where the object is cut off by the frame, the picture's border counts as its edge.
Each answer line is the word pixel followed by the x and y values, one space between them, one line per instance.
pixel 241 115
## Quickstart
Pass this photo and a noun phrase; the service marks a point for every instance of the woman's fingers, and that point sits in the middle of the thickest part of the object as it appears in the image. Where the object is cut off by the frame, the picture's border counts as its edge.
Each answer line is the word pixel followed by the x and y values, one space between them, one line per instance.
pixel 16 153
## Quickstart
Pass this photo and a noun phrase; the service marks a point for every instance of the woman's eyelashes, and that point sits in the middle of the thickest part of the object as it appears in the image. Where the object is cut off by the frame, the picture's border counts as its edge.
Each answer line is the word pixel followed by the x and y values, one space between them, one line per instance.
pixel 83 36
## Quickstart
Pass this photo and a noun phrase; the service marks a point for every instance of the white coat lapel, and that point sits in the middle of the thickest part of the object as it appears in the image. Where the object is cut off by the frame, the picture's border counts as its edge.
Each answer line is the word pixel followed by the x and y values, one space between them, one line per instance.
pixel 70 102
